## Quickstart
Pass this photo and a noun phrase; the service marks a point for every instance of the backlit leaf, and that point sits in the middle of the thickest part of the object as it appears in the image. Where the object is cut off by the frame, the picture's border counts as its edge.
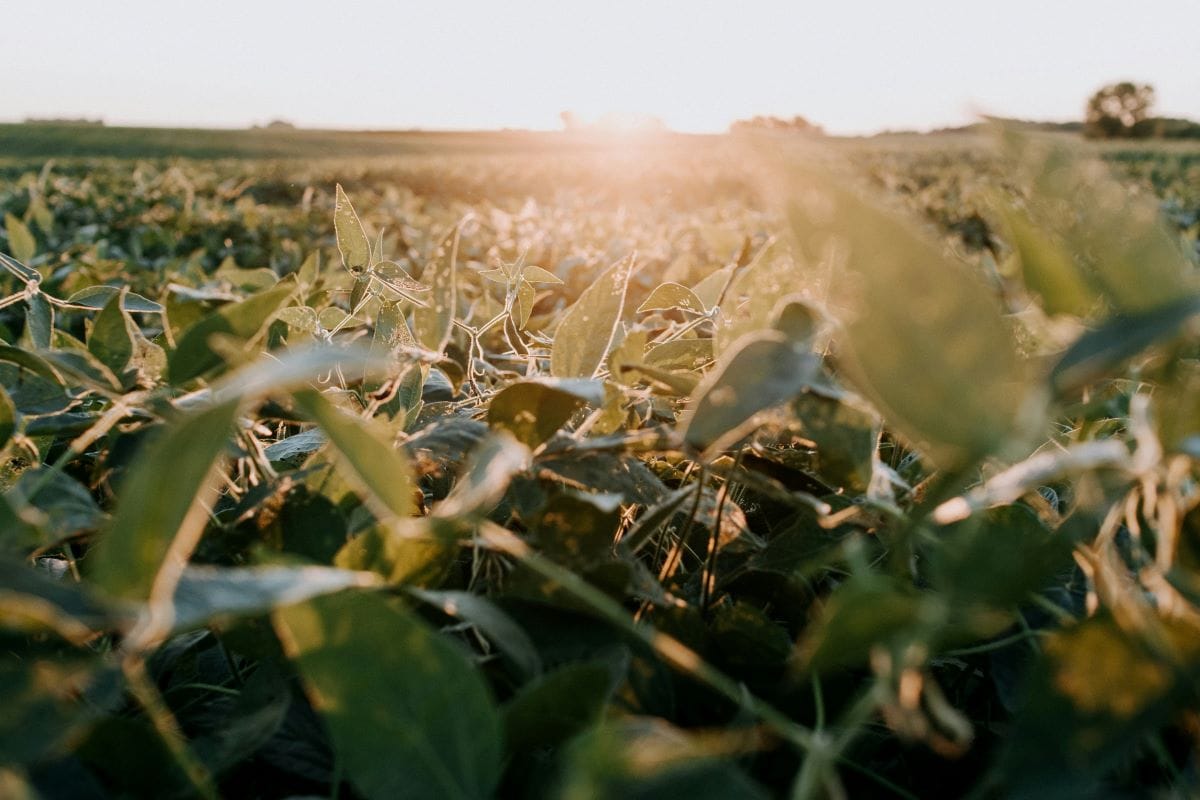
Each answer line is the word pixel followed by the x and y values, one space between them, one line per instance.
pixel 534 410
pixel 672 295
pixel 351 238
pixel 194 356
pixel 586 331
pixel 378 466
pixel 435 321
pixel 21 243
pixel 759 372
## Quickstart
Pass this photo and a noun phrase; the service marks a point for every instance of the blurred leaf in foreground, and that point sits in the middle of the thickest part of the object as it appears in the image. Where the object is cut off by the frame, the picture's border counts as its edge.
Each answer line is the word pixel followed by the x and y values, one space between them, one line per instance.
pixel 411 719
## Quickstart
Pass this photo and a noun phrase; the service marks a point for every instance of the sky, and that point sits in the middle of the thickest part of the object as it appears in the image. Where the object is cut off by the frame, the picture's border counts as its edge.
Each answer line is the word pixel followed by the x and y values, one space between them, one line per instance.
pixel 852 66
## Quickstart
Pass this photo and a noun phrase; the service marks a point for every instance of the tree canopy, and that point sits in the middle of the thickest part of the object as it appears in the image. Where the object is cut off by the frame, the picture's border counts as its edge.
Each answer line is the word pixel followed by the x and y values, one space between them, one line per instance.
pixel 1119 110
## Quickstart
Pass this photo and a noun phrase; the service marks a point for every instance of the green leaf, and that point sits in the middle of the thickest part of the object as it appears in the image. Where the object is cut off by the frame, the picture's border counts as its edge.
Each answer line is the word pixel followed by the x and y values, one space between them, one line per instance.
pixel 419 723
pixel 655 517
pixel 862 613
pixel 647 759
pixel 998 558
pixel 158 522
pixel 1117 238
pixel 20 240
pixel 39 321
pixel 31 362
pixel 96 297
pixel 205 594
pixel 24 273
pixel 552 709
pixel 680 354
pixel 845 436
pixel 1048 269
pixel 1089 702
pixel 45 702
pixel 351 238
pixel 585 333
pixel 1101 351
pixel 378 466
pixel 251 721
pixel 533 410
pixel 30 600
pixel 414 552
pixel 302 318
pixel 930 345
pixel 749 638
pixel 8 418
pixel 504 634
pixel 672 295
pixel 492 465
pixel 435 322
pixel 194 356
pixel 66 505
pixel 394 277
pixel 760 371
pixel 709 289
pixel 390 339
pixel 112 336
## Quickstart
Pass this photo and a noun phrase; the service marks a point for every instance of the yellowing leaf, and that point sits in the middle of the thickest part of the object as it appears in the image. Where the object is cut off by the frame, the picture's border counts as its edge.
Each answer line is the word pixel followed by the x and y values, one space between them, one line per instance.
pixel 586 331
pixel 351 238
pixel 435 322
pixel 21 243
pixel 672 295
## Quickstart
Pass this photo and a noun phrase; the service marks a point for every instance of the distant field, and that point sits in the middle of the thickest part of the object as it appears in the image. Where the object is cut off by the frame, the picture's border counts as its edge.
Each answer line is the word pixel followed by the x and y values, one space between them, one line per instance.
pixel 24 141
pixel 48 140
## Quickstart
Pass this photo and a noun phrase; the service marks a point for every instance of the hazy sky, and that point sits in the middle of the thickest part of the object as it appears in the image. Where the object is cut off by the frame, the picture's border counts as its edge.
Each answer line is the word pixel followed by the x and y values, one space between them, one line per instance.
pixel 853 66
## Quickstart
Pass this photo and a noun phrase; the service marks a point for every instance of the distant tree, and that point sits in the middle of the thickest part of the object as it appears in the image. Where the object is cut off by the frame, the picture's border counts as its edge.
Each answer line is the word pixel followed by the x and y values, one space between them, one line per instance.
pixel 1174 128
pixel 796 124
pixel 1119 110
pixel 75 121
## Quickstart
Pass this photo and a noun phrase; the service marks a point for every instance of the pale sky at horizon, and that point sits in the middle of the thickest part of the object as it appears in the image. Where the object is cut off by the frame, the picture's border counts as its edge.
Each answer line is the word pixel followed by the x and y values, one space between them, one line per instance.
pixel 853 66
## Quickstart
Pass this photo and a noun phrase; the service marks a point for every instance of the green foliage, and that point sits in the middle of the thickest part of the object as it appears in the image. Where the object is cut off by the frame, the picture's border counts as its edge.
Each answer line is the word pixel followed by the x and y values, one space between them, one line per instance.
pixel 585 333
pixel 803 505
pixel 419 723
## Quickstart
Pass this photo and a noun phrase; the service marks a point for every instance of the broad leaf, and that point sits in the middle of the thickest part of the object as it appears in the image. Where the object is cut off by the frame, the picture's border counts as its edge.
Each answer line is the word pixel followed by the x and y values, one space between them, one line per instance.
pixel 761 371
pixel 585 333
pixel 419 723
pixel 97 297
pixel 672 295
pixel 20 241
pixel 378 466
pixel 158 522
pixel 435 322
pixel 930 344
pixel 351 238
pixel 533 410
pixel 204 594
pixel 194 356
pixel 499 628
pixel 560 704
